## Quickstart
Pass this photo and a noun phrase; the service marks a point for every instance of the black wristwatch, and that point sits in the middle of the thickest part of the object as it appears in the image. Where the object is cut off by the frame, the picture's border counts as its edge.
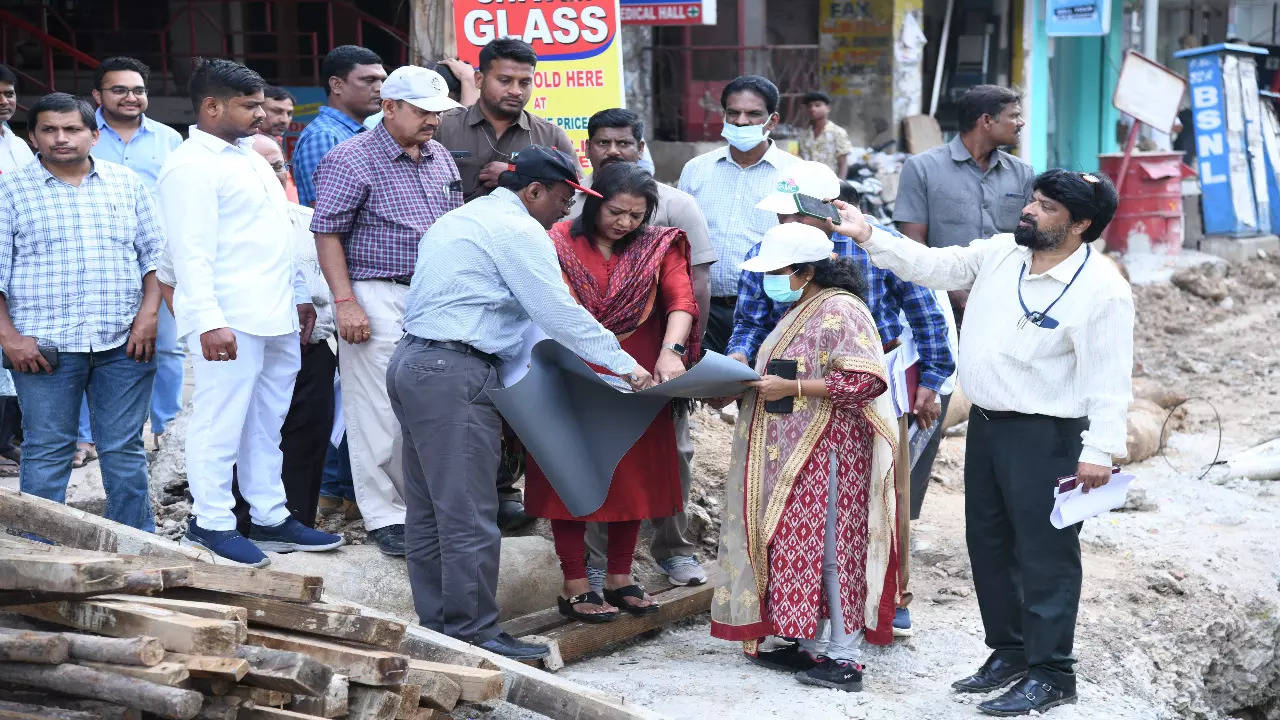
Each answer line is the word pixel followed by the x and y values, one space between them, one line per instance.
pixel 677 348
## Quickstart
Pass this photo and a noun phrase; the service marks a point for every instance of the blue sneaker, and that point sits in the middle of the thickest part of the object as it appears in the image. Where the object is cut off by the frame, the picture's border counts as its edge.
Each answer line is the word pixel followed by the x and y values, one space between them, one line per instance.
pixel 902 623
pixel 225 543
pixel 292 535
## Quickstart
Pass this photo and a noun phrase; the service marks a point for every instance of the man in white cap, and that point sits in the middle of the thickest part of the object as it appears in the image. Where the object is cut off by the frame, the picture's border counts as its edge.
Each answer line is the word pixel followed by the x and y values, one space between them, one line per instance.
pixel 918 351
pixel 376 195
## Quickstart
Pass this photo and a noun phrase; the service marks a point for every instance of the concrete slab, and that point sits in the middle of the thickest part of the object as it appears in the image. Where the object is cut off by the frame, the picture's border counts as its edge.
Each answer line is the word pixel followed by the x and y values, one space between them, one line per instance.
pixel 1148 268
pixel 1239 249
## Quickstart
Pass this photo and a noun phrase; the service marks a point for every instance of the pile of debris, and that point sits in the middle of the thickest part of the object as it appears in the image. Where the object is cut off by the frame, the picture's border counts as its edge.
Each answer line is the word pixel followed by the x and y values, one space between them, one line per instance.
pixel 111 622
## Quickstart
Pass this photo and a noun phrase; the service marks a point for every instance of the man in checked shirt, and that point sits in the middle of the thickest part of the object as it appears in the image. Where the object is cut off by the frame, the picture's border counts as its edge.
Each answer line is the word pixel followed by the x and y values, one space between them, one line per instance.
pixel 888 298
pixel 79 242
pixel 376 194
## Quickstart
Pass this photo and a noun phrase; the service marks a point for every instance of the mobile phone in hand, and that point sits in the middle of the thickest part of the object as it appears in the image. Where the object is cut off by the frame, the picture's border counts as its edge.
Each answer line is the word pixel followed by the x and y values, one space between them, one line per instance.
pixel 785 369
pixel 815 208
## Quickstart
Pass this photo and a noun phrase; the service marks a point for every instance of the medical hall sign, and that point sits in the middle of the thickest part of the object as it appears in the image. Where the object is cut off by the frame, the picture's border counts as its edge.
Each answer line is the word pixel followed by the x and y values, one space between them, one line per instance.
pixel 579 55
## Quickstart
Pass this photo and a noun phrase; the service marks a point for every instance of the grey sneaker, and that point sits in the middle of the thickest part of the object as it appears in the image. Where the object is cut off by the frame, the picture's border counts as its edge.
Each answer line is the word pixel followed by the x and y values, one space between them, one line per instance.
pixel 595 578
pixel 683 570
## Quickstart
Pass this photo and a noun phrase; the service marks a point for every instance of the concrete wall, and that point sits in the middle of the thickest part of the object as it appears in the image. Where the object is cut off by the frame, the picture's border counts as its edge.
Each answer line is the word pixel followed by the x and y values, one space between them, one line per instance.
pixel 669 157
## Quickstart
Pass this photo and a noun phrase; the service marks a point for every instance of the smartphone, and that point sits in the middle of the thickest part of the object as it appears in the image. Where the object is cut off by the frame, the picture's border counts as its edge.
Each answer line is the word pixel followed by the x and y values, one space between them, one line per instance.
pixel 815 208
pixel 49 352
pixel 785 369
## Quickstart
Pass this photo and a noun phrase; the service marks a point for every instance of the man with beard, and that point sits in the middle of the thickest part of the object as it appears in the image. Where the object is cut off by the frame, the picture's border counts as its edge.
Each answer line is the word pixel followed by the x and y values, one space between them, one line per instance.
pixel 376 194
pixel 352 86
pixel 237 304
pixel 14 151
pixel 279 110
pixel 486 136
pixel 617 135
pixel 1045 355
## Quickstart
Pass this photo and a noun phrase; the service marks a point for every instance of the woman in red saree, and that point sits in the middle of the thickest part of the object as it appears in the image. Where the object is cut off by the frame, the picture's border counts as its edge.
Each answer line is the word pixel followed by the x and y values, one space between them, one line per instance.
pixel 635 280
pixel 808 530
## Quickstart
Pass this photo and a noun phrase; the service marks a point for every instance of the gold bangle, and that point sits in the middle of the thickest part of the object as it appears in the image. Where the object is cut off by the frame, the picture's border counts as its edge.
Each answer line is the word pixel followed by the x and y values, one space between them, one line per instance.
pixel 799 389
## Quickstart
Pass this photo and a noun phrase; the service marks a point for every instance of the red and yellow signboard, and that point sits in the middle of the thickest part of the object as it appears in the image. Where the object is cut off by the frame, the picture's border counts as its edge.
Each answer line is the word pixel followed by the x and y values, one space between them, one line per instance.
pixel 579 54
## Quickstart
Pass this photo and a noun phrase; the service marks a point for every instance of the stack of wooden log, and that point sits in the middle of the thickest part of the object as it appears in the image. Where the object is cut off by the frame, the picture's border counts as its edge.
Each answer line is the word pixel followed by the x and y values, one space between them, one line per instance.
pixel 185 639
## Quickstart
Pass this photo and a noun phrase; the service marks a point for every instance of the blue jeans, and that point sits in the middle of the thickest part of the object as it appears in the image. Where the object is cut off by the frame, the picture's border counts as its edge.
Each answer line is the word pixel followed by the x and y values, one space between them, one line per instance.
pixel 118 390
pixel 166 393
pixel 337 481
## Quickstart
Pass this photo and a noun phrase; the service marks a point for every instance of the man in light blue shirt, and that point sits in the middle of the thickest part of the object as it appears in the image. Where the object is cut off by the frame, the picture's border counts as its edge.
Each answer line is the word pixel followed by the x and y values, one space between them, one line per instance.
pixel 128 137
pixel 483 272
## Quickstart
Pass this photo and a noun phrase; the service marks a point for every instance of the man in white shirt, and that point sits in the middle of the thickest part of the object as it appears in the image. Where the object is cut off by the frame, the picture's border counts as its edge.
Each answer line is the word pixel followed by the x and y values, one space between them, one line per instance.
pixel 1046 352
pixel 237 305
pixel 14 151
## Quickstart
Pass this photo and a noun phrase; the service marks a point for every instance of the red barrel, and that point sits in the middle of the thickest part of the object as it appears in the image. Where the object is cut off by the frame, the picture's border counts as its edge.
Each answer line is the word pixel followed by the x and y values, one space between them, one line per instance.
pixel 1150 211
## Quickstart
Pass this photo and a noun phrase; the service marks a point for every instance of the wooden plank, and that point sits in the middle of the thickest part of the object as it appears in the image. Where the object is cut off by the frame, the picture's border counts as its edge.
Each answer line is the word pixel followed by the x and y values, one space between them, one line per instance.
pixel 139 650
pixel 372 703
pixel 308 618
pixel 100 710
pixel 333 703
pixel 165 673
pixel 267 713
pixel 430 714
pixel 477 684
pixel 33 647
pixel 367 666
pixel 59 574
pixel 167 702
pixel 536 623
pixel 284 670
pixel 554 660
pixel 140 571
pixel 68 526
pixel 260 696
pixel 213 611
pixel 266 583
pixel 577 640
pixel 42 712
pixel 210 666
pixel 410 695
pixel 437 691
pixel 178 632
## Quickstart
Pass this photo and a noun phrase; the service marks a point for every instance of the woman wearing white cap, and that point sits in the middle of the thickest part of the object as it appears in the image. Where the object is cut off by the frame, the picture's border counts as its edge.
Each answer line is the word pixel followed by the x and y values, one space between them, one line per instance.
pixel 828 463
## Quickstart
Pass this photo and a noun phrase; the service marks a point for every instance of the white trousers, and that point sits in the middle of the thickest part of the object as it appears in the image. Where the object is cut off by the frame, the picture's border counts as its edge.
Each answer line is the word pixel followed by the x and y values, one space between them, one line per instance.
pixel 832 641
pixel 237 409
pixel 373 433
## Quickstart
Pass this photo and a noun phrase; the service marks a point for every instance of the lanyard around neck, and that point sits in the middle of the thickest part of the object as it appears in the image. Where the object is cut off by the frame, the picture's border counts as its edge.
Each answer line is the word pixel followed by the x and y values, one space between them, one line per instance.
pixel 1041 318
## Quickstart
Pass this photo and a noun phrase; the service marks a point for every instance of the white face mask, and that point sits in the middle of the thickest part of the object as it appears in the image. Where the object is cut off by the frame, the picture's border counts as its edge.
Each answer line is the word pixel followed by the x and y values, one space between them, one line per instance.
pixel 744 137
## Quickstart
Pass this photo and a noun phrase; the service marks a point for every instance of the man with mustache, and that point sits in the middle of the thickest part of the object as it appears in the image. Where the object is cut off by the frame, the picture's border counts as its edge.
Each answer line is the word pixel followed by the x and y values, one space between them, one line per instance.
pixel 14 150
pixel 376 194
pixel 79 243
pixel 240 303
pixel 353 78
pixel 1046 352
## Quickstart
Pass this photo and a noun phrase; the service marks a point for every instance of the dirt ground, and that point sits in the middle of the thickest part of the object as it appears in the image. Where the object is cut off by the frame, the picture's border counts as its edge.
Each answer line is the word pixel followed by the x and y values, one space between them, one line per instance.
pixel 1180 602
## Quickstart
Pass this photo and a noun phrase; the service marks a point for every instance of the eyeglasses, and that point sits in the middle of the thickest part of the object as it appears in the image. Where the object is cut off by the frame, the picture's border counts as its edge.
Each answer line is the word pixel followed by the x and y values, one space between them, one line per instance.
pixel 281 167
pixel 121 91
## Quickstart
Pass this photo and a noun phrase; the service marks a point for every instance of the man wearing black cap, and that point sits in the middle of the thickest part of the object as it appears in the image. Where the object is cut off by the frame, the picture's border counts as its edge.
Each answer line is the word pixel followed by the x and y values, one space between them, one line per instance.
pixel 483 272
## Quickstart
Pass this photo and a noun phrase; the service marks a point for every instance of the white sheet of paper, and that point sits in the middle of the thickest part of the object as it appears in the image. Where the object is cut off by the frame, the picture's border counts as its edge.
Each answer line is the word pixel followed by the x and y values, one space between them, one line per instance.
pixel 1076 505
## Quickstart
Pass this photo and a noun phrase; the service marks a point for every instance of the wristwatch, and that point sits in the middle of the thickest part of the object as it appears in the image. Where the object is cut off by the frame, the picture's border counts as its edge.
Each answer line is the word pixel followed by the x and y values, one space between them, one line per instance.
pixel 676 348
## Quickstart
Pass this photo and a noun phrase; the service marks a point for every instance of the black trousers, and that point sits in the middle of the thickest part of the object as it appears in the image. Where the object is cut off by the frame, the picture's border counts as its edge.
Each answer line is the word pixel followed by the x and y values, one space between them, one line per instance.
pixel 304 437
pixel 923 466
pixel 1026 573
pixel 719 324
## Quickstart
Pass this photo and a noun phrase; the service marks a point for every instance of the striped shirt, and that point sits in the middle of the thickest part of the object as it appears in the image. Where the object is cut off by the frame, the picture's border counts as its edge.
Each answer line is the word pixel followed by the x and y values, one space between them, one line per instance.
pixel 727 194
pixel 488 268
pixel 1081 368
pixel 72 258
pixel 319 137
pixel 381 201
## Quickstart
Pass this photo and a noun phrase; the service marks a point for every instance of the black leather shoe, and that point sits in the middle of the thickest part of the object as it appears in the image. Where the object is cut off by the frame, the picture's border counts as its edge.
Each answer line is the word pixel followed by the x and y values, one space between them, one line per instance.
pixel 1029 694
pixel 390 540
pixel 511 516
pixel 508 646
pixel 994 674
pixel 787 659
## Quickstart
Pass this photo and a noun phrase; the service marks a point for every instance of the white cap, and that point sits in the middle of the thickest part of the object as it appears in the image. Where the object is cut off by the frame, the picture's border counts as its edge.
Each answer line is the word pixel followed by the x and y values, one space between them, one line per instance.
pixel 419 87
pixel 806 177
pixel 789 244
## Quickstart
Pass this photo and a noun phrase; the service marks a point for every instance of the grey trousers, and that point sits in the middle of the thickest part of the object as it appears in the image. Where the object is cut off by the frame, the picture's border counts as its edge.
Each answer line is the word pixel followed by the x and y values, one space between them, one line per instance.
pixel 670 534
pixel 451 435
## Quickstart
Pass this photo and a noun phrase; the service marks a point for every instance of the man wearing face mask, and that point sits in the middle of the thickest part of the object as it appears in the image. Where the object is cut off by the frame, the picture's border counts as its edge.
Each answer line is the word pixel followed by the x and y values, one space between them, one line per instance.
pixel 764 299
pixel 727 183
pixel 1046 355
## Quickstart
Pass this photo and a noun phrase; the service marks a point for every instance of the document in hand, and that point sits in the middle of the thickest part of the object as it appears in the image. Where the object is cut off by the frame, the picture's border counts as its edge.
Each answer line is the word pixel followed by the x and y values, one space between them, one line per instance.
pixel 1076 505
pixel 578 426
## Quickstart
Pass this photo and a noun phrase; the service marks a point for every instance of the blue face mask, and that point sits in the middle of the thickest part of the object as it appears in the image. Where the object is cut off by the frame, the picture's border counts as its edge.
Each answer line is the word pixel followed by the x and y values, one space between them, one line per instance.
pixel 743 137
pixel 778 288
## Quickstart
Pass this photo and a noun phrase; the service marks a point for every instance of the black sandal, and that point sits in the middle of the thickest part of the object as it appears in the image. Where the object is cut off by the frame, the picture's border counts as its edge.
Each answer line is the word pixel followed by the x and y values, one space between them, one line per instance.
pixel 590 598
pixel 618 598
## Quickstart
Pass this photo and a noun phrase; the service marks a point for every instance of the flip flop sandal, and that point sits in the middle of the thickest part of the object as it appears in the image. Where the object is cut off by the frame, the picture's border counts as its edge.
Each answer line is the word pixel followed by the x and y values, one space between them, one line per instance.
pixel 618 598
pixel 586 598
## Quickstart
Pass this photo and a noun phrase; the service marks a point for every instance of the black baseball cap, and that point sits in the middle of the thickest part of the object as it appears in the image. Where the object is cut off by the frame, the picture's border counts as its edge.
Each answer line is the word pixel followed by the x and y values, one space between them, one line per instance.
pixel 546 164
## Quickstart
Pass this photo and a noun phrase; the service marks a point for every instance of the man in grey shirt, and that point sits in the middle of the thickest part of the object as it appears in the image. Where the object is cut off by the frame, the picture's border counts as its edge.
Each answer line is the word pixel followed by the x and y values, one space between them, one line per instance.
pixel 484 271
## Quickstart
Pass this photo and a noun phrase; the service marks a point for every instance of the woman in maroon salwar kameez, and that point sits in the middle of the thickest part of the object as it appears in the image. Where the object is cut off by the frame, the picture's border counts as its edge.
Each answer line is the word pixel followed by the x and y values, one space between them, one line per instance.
pixel 635 280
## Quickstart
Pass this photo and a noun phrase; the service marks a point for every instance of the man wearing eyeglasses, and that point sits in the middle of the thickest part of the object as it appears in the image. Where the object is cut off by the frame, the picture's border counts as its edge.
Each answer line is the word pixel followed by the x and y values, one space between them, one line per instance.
pixel 128 137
